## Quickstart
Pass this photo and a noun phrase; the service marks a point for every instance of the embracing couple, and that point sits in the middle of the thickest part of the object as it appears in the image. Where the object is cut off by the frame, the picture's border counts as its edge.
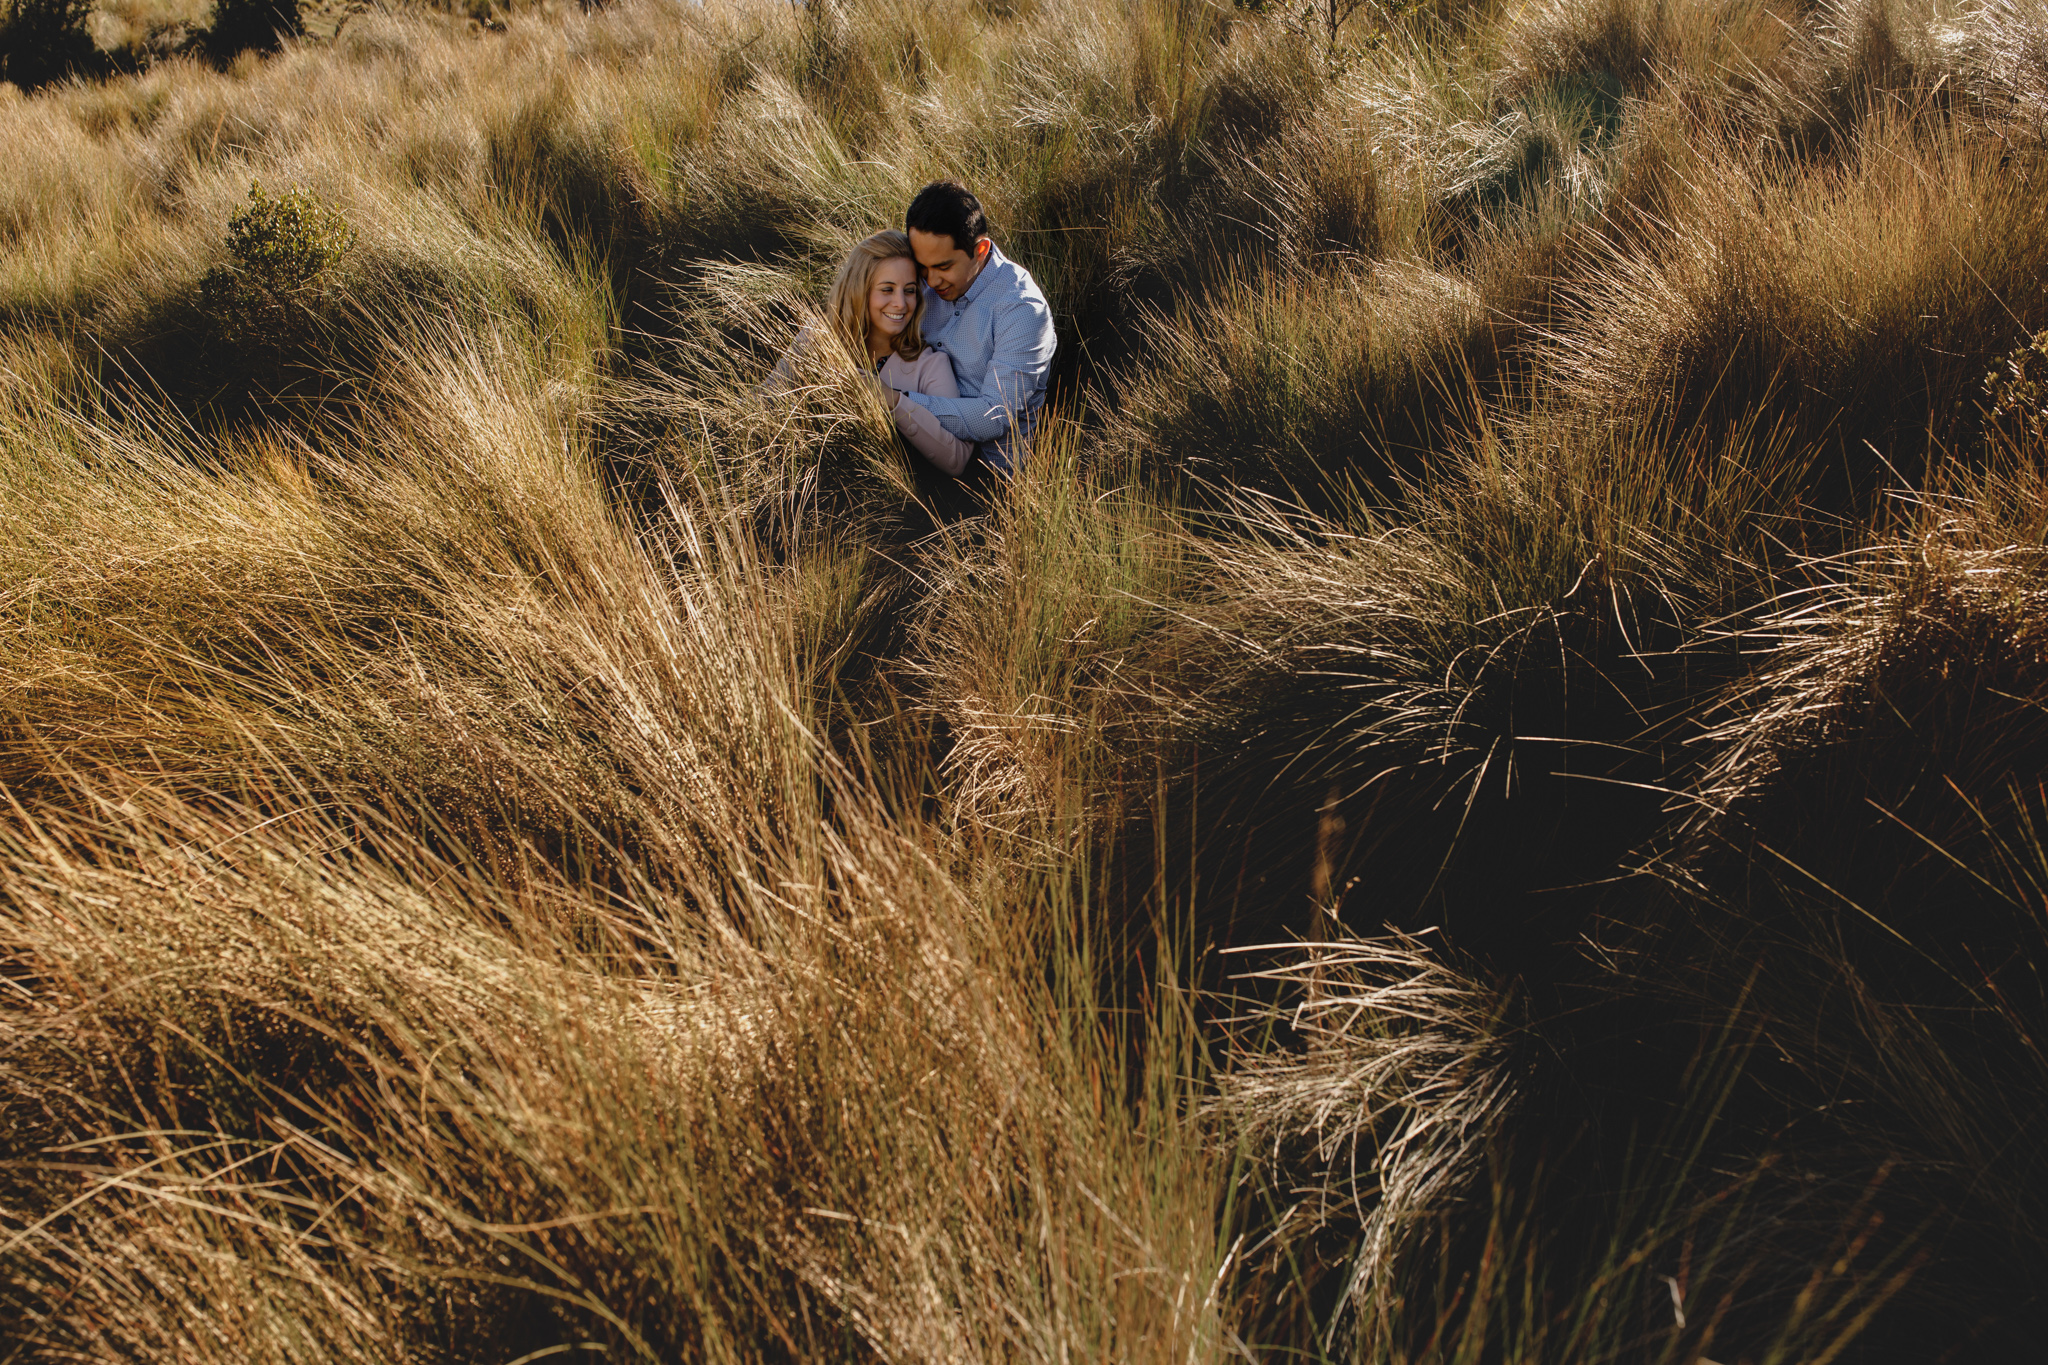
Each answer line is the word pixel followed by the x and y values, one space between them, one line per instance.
pixel 956 336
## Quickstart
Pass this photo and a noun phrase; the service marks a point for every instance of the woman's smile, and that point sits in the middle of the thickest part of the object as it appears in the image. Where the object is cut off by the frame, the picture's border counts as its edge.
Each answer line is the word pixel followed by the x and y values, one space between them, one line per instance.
pixel 892 301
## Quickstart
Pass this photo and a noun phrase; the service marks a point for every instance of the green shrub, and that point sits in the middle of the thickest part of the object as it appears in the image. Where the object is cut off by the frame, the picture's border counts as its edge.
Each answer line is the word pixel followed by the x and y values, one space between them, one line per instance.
pixel 45 40
pixel 283 252
pixel 240 25
pixel 2018 389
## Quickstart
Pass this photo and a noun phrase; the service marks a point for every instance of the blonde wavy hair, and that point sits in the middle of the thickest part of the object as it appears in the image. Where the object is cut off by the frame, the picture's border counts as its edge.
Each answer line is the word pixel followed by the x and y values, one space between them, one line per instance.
pixel 847 303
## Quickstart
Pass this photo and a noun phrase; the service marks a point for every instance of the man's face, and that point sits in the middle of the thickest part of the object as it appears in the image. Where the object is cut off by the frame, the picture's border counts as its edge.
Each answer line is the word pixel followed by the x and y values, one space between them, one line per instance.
pixel 944 266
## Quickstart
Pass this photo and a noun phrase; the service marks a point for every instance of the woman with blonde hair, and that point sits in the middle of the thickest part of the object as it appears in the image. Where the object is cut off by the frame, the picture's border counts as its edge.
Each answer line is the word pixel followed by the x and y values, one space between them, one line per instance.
pixel 875 307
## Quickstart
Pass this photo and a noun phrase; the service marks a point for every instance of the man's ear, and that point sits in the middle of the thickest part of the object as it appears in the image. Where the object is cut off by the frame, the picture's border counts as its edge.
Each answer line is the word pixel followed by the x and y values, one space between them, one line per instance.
pixel 981 246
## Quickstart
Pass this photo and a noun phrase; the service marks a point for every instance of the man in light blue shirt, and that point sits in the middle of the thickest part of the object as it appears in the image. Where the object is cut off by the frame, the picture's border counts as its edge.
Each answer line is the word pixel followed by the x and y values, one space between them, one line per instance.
pixel 988 314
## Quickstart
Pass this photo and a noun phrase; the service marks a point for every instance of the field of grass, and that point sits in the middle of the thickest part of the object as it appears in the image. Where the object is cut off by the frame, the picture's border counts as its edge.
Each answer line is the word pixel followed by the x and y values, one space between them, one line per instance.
pixel 1482 798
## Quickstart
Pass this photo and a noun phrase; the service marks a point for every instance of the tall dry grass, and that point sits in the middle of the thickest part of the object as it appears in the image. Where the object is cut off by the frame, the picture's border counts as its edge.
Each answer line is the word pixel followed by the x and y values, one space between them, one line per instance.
pixel 546 950
pixel 1475 800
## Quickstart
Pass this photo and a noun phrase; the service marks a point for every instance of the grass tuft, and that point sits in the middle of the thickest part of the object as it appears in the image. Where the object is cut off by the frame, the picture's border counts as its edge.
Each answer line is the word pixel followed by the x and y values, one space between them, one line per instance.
pixel 1476 798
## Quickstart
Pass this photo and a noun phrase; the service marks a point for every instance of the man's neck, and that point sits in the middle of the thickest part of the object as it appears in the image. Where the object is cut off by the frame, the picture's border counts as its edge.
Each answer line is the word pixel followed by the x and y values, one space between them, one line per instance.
pixel 981 264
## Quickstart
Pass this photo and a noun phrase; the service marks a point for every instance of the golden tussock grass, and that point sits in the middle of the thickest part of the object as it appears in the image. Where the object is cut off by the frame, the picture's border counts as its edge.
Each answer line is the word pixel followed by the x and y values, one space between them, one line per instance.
pixel 1476 799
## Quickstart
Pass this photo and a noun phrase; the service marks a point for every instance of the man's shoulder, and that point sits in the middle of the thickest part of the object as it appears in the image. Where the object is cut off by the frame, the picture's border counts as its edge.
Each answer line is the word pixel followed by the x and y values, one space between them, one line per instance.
pixel 1018 283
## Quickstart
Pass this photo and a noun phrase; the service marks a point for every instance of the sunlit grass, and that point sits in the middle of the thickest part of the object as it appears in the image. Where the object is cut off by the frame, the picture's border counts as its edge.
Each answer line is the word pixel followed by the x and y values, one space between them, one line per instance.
pixel 1476 799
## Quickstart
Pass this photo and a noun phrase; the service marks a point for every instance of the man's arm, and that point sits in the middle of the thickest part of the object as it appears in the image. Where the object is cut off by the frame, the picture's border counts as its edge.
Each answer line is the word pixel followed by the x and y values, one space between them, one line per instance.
pixel 1016 375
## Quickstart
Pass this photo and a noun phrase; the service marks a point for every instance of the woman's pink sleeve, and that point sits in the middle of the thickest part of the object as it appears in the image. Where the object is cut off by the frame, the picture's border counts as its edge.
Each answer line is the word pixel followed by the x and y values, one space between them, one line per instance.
pixel 934 375
pixel 783 378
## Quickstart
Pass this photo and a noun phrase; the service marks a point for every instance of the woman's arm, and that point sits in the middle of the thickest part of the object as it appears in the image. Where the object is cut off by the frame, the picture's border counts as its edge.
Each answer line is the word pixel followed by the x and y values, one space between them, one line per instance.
pixel 783 377
pixel 932 374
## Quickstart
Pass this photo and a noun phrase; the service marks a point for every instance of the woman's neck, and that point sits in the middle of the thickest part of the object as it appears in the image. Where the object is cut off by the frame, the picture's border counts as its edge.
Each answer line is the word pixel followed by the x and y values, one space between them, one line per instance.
pixel 879 347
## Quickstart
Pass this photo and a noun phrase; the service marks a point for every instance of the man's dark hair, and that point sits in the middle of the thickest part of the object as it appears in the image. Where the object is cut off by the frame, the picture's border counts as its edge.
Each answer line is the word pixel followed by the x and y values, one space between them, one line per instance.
pixel 945 208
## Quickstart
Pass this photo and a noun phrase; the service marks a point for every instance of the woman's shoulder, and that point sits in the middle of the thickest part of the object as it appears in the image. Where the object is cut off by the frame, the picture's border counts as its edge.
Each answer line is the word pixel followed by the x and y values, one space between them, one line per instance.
pixel 784 374
pixel 899 373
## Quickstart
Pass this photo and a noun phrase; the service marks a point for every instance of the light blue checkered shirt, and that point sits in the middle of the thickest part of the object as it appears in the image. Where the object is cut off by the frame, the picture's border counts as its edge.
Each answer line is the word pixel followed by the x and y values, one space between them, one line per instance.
pixel 999 336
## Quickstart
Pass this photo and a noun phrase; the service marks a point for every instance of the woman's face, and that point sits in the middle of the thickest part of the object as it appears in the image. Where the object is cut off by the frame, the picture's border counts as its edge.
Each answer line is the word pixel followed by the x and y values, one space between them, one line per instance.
pixel 892 296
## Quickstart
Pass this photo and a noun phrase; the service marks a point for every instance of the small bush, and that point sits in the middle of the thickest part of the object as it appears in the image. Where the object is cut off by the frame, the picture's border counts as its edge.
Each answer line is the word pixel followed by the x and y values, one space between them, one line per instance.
pixel 284 250
pixel 242 25
pixel 45 40
pixel 2018 389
